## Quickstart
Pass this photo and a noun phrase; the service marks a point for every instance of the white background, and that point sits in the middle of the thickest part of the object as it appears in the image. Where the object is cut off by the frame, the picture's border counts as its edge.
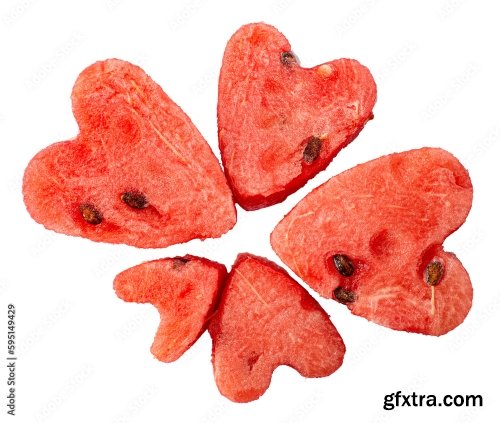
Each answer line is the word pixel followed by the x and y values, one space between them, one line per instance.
pixel 84 354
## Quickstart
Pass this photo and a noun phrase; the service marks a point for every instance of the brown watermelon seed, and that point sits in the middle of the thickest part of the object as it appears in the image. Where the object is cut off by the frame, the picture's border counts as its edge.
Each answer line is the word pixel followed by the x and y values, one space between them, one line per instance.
pixel 343 295
pixel 343 264
pixel 90 213
pixel 288 58
pixel 312 150
pixel 179 262
pixel 433 273
pixel 135 199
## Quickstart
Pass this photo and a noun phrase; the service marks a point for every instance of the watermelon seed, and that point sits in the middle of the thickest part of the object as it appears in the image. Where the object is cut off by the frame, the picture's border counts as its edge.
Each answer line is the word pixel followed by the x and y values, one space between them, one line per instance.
pixel 288 58
pixel 325 70
pixel 90 214
pixel 312 150
pixel 135 199
pixel 343 264
pixel 343 295
pixel 433 273
pixel 179 262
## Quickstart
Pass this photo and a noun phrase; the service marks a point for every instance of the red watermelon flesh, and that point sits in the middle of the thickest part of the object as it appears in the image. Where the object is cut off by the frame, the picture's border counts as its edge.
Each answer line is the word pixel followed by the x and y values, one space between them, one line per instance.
pixel 279 123
pixel 138 173
pixel 371 237
pixel 185 290
pixel 266 319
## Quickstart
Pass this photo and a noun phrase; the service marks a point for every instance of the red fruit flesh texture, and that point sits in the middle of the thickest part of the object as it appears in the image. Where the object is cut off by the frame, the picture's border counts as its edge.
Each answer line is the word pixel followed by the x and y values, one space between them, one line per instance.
pixel 269 110
pixel 390 216
pixel 185 290
pixel 133 138
pixel 266 319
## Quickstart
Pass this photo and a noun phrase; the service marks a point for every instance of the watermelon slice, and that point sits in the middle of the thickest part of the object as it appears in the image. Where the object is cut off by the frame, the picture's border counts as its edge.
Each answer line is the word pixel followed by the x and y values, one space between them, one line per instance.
pixel 185 290
pixel 138 173
pixel 281 124
pixel 266 319
pixel 372 237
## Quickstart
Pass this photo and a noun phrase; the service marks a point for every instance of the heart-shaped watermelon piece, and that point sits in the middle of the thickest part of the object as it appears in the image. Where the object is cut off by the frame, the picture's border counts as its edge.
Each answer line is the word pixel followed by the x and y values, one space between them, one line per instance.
pixel 279 123
pixel 185 290
pixel 371 238
pixel 266 319
pixel 138 173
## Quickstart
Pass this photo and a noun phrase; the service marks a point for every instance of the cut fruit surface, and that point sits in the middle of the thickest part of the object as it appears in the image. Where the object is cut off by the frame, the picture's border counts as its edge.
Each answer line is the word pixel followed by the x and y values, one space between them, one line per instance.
pixel 266 319
pixel 281 124
pixel 185 290
pixel 138 173
pixel 371 238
